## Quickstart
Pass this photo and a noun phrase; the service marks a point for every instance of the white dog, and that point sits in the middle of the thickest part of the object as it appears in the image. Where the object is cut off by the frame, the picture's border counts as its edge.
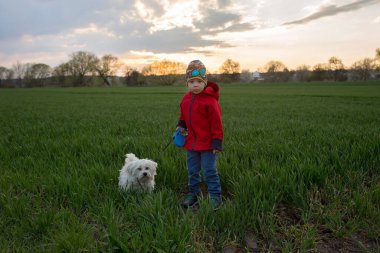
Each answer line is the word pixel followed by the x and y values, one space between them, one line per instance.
pixel 137 174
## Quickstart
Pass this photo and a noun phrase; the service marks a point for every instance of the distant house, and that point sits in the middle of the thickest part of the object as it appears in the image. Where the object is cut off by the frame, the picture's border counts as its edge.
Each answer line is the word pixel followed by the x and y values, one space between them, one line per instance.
pixel 376 75
pixel 256 76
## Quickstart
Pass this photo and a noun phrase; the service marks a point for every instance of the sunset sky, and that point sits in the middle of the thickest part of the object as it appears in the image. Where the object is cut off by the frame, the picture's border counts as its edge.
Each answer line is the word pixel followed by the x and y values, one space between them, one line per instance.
pixel 141 31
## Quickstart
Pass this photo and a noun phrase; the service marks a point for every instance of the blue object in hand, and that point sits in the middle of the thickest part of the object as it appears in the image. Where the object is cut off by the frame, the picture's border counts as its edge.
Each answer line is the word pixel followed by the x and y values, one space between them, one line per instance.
pixel 179 137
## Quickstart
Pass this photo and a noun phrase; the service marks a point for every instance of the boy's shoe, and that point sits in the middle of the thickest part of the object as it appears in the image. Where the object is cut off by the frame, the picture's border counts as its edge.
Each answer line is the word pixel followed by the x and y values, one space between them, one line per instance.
pixel 216 201
pixel 190 200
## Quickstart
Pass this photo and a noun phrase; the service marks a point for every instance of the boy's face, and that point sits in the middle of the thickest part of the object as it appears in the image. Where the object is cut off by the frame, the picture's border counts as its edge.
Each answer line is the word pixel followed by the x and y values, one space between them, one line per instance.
pixel 196 86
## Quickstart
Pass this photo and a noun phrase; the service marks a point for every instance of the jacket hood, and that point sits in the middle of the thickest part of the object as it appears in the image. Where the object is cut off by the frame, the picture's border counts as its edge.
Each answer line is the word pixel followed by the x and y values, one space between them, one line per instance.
pixel 212 89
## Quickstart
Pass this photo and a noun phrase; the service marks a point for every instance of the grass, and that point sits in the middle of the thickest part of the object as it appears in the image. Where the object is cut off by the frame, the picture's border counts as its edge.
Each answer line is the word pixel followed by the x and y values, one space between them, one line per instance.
pixel 300 170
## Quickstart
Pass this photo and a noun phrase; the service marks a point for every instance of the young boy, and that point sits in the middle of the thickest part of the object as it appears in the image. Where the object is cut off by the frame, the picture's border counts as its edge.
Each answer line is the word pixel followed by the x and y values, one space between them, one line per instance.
pixel 201 116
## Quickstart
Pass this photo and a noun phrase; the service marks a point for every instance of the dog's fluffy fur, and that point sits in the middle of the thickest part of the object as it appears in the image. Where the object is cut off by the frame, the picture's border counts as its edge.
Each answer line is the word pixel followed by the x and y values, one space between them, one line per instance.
pixel 137 174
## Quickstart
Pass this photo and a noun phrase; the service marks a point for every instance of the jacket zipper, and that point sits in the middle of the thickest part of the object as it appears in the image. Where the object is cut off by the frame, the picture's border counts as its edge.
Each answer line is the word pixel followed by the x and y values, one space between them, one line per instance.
pixel 190 119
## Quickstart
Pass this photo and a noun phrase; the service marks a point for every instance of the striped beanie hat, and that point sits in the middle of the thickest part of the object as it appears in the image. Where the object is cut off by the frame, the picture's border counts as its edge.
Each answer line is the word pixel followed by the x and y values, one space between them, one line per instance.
pixel 196 70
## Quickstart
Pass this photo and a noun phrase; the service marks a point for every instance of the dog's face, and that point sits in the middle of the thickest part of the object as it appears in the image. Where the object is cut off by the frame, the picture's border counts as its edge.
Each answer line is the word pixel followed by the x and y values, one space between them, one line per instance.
pixel 144 170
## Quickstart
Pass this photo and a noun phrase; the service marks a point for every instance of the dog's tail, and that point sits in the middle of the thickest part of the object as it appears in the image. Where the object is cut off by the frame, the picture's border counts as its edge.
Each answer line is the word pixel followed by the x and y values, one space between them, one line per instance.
pixel 130 158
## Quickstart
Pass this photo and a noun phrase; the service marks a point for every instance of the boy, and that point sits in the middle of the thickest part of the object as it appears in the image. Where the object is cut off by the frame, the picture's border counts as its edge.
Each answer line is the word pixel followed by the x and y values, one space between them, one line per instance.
pixel 201 116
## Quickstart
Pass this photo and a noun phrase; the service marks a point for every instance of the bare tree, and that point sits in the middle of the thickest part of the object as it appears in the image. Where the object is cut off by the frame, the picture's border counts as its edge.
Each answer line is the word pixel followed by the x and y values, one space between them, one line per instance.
pixel 61 70
pixel 107 66
pixel 274 66
pixel 335 63
pixel 319 72
pixel 132 76
pixel 36 74
pixel 377 59
pixel 229 71
pixel 165 72
pixel 3 73
pixel 230 67
pixel 81 64
pixel 336 68
pixel 164 67
pixel 41 70
pixel 362 69
pixel 303 73
pixel 61 74
pixel 146 70
pixel 19 70
pixel 276 72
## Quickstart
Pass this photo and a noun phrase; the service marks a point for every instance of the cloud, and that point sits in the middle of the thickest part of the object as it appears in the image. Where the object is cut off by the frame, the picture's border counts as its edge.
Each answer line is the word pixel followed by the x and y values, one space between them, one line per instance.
pixel 42 17
pixel 182 25
pixel 33 30
pixel 242 27
pixel 215 18
pixel 332 10
pixel 223 3
pixel 219 21
pixel 173 40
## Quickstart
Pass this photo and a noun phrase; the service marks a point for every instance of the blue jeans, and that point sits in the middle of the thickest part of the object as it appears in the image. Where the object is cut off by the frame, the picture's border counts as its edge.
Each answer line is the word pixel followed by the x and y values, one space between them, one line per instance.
pixel 206 160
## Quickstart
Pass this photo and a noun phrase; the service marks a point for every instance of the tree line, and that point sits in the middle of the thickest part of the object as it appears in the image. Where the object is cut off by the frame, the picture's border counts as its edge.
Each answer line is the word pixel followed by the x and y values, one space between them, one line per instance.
pixel 86 69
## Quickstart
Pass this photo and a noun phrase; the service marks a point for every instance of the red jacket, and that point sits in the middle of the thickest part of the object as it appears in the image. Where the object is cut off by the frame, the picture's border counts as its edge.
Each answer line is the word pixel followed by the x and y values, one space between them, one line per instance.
pixel 201 115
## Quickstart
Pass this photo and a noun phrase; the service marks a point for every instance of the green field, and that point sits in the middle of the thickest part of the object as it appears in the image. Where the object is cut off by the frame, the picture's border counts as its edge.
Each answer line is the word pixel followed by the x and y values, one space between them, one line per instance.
pixel 300 170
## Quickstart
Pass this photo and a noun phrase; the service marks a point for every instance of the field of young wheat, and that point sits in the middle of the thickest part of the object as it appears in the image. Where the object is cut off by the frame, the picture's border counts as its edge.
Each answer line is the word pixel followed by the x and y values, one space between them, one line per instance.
pixel 300 170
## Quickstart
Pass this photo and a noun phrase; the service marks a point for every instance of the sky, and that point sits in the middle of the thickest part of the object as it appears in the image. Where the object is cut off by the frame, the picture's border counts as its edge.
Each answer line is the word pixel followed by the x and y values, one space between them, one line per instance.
pixel 139 32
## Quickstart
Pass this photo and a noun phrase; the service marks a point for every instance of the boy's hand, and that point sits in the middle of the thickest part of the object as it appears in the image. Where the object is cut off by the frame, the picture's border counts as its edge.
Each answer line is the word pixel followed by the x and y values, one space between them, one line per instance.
pixel 215 151
pixel 182 130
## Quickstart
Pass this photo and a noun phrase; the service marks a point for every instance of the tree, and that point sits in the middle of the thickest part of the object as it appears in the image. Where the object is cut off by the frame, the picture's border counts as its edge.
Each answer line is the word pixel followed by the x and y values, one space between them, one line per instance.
pixel 164 72
pixel 230 70
pixel 377 59
pixel 82 63
pixel 3 72
pixel 36 74
pixel 336 69
pixel 362 69
pixel 61 70
pixel 335 63
pixel 319 72
pixel 274 66
pixel 276 72
pixel 41 70
pixel 164 67
pixel 303 73
pixel 61 74
pixel 106 67
pixel 230 67
pixel 3 75
pixel 19 70
pixel 132 76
